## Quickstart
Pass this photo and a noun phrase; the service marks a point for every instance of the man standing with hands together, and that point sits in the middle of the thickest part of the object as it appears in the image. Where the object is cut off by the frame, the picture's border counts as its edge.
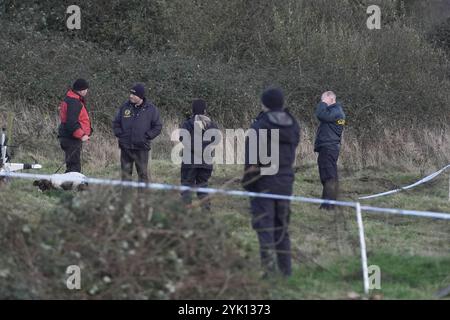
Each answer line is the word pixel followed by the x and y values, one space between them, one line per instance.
pixel 328 144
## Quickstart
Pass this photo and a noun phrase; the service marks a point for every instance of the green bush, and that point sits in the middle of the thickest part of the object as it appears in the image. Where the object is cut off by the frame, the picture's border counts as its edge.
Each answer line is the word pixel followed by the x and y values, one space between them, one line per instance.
pixel 440 35
pixel 115 24
pixel 42 76
pixel 227 52
pixel 145 247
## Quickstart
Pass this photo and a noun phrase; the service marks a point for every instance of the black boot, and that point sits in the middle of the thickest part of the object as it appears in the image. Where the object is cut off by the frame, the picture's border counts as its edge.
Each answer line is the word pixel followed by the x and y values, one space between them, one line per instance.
pixel 330 192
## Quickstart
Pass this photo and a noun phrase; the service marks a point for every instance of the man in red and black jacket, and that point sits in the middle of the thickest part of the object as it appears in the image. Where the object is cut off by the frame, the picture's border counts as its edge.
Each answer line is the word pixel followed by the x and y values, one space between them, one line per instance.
pixel 75 127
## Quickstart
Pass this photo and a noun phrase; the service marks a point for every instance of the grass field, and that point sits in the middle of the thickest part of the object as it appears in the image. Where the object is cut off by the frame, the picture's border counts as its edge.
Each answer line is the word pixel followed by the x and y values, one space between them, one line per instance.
pixel 393 84
pixel 412 253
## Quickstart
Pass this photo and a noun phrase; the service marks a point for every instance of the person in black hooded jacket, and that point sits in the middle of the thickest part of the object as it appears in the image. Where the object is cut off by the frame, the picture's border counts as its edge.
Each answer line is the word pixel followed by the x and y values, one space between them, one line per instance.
pixel 196 171
pixel 270 218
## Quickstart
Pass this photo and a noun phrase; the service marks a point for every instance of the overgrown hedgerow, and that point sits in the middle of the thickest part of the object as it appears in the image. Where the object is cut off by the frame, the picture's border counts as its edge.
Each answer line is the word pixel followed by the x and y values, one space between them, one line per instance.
pixel 227 52
pixel 146 247
pixel 391 81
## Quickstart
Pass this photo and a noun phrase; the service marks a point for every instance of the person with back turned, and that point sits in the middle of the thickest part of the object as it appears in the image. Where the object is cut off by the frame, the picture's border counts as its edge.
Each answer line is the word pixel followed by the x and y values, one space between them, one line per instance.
pixel 270 217
pixel 197 171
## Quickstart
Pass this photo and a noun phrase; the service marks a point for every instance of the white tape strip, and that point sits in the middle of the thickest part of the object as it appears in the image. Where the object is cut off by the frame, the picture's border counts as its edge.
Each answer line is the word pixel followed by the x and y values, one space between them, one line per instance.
pixel 422 181
pixel 160 186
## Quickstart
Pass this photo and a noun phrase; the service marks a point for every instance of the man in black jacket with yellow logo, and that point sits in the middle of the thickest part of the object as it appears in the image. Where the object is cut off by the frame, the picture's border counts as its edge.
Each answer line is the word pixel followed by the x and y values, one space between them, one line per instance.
pixel 136 124
pixel 328 144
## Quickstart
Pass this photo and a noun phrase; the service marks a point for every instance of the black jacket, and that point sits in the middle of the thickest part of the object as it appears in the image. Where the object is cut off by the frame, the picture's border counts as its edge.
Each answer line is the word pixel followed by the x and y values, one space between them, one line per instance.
pixel 205 123
pixel 136 126
pixel 289 138
pixel 332 121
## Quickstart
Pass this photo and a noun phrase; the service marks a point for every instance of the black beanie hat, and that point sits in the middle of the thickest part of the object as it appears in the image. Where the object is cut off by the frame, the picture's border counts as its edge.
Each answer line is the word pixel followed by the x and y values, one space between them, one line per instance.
pixel 273 98
pixel 80 85
pixel 138 90
pixel 198 106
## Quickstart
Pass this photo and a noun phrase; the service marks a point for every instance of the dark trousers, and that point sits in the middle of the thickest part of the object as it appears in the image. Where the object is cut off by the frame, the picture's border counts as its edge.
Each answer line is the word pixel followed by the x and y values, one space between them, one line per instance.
pixel 128 157
pixel 72 152
pixel 327 162
pixel 197 178
pixel 270 219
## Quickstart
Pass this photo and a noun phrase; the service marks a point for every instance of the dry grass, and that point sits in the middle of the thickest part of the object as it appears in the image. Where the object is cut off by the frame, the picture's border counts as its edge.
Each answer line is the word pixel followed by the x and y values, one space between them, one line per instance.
pixel 415 150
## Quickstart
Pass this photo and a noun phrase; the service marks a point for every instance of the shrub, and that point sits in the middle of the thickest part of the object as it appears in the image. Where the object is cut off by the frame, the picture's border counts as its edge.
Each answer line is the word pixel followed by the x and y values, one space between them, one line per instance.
pixel 145 247
pixel 440 35
pixel 115 24
pixel 389 79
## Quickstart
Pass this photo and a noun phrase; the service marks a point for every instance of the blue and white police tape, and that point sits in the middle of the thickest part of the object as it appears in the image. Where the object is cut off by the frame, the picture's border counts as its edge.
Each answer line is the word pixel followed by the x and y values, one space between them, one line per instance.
pixel 237 193
pixel 422 181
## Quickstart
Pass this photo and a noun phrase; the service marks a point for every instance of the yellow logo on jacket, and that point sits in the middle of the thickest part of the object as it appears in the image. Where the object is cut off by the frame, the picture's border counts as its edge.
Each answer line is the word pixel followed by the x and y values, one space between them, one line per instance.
pixel 340 122
pixel 127 113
